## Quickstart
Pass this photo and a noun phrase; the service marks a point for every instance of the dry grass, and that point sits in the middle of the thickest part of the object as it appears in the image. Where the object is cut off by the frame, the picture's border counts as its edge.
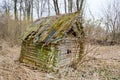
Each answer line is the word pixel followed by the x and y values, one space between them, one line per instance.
pixel 11 69
pixel 11 30
pixel 103 64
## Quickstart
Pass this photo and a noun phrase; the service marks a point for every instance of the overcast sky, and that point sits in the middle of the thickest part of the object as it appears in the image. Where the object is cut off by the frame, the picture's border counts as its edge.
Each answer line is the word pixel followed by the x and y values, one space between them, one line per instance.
pixel 94 6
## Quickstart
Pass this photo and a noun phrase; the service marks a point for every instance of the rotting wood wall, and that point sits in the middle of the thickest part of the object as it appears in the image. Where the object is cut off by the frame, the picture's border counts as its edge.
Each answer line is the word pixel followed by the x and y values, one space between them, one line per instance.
pixel 49 57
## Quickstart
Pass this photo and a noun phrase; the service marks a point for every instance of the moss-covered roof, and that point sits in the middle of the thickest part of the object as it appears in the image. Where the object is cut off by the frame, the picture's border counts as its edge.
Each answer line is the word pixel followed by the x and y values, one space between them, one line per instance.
pixel 50 28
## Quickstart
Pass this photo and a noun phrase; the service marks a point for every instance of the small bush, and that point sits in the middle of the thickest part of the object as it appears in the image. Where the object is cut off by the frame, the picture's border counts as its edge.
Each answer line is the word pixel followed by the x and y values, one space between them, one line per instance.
pixel 11 30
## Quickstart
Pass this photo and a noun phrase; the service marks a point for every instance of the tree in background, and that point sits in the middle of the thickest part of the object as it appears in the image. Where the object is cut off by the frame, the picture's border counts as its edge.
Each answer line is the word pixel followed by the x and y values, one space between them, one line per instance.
pixel 21 7
pixel 56 7
pixel 80 31
pixel 112 20
pixel 15 10
pixel 6 7
pixel 65 6
pixel 28 8
pixel 70 6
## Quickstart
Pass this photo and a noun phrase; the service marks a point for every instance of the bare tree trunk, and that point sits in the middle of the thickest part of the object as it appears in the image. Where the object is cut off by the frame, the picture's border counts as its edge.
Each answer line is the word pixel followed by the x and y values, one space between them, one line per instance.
pixel 15 10
pixel 37 7
pixel 81 5
pixel 112 20
pixel 70 3
pixel 28 10
pixel 48 7
pixel 20 10
pixel 7 8
pixel 25 10
pixel 65 6
pixel 42 6
pixel 55 2
pixel 31 10
pixel 77 4
pixel 80 34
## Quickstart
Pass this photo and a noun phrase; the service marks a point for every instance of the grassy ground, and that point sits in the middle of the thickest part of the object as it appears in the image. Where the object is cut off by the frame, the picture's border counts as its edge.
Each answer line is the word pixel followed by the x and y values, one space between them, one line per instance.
pixel 103 63
pixel 11 69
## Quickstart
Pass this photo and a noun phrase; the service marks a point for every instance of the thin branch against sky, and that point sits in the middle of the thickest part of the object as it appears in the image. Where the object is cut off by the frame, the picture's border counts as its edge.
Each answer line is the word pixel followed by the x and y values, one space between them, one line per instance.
pixel 92 5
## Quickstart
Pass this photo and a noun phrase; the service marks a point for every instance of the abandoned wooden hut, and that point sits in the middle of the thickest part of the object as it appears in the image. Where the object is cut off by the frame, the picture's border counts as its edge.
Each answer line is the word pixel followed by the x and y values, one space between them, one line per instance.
pixel 51 42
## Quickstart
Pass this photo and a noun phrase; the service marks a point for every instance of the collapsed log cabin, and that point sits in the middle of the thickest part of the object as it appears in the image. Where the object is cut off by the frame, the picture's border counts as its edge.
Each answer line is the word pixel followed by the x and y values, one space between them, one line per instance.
pixel 51 42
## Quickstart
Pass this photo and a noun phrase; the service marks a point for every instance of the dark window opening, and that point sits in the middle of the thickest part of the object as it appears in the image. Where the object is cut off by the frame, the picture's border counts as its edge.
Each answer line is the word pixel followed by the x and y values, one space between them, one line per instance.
pixel 68 51
pixel 71 31
pixel 31 34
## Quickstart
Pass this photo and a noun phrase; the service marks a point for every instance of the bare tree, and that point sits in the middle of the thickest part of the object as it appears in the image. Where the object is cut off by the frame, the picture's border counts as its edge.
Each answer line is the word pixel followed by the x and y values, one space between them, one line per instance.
pixel 43 3
pixel 77 4
pixel 31 11
pixel 28 5
pixel 6 6
pixel 81 4
pixel 21 9
pixel 48 3
pixel 57 11
pixel 15 10
pixel 112 19
pixel 79 29
pixel 37 7
pixel 28 9
pixel 70 3
pixel 65 3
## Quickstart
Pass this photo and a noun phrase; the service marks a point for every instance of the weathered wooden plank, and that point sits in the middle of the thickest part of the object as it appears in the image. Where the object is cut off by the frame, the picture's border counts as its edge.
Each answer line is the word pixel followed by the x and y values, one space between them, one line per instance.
pixel 34 59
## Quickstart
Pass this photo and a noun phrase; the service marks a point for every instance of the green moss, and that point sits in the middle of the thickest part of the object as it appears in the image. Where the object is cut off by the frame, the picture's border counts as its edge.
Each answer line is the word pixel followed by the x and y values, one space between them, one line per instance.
pixel 45 57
